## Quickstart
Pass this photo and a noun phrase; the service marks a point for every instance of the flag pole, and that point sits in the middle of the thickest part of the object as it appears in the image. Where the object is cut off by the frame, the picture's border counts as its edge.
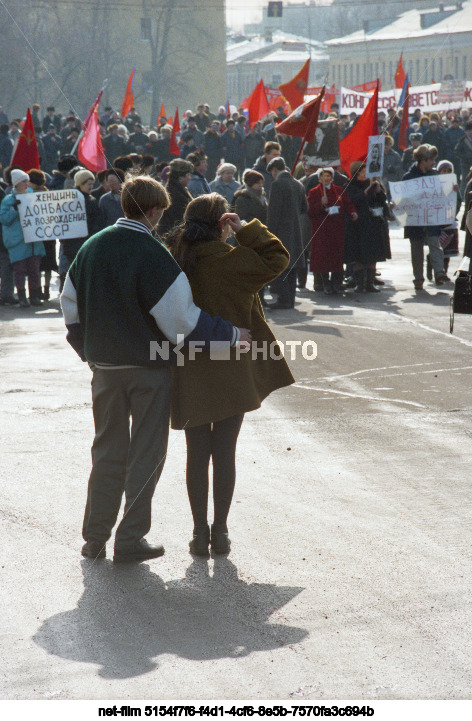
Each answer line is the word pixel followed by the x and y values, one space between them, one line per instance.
pixel 308 131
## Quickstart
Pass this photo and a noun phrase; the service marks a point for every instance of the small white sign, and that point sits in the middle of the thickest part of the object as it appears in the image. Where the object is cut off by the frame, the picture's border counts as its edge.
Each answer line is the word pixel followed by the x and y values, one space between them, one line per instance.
pixel 53 215
pixel 375 156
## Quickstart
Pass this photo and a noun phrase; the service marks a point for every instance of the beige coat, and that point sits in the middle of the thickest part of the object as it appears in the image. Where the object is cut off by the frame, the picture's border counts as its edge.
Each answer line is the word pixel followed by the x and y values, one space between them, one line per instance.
pixel 226 282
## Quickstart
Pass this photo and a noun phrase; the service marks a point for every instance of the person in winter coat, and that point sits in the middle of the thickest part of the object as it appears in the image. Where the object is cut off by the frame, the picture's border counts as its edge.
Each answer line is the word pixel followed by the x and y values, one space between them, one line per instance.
pixel 392 169
pixel 287 201
pixel 233 145
pixel 6 146
pixel 254 146
pixel 366 241
pixel 213 149
pixel 84 181
pixel 328 204
pixel 24 257
pixel 250 200
pixel 224 183
pixel 463 152
pixel 425 158
pixel 209 395
pixel 271 150
pixel 6 270
pixel 48 261
pixel 110 202
pixel 180 197
pixel 198 184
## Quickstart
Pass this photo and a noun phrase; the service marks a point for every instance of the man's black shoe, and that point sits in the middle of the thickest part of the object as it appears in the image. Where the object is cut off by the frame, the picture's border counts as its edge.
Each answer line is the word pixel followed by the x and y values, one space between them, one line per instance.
pixel 141 551
pixel 92 549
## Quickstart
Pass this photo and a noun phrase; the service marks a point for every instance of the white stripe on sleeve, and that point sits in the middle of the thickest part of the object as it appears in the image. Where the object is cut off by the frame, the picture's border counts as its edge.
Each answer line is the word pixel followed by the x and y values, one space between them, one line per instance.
pixel 176 313
pixel 69 302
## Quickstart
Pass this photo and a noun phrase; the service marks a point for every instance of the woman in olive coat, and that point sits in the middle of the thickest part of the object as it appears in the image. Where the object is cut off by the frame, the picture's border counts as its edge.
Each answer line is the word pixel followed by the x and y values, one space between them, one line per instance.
pixel 212 391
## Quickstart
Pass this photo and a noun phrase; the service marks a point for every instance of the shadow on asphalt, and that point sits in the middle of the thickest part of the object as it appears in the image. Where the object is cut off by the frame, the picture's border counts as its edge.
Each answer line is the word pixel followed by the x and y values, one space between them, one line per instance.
pixel 127 616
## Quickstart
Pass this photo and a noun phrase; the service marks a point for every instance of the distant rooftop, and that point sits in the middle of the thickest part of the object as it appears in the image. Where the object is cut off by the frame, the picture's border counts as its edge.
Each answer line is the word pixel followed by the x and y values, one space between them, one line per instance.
pixel 278 45
pixel 416 24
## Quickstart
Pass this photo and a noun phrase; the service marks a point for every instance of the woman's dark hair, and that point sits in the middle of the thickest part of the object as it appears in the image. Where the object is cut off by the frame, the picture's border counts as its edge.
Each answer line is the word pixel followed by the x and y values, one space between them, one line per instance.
pixel 200 225
pixel 251 177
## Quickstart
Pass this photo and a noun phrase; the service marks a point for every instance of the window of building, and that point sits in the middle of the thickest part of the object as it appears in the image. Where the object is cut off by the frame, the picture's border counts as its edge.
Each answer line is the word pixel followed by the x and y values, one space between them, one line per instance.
pixel 276 80
pixel 351 74
pixel 464 67
pixel 418 76
pixel 433 70
pixel 456 66
pixel 146 28
pixel 440 70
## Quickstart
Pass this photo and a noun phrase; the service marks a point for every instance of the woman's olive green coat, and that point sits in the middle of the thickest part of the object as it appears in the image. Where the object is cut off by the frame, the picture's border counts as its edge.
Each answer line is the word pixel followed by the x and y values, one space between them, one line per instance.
pixel 226 282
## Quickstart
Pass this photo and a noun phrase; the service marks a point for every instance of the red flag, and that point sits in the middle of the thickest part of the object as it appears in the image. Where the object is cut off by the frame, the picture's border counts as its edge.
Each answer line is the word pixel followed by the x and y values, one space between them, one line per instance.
pixel 94 107
pixel 303 121
pixel 356 143
pixel 162 113
pixel 90 150
pixel 257 104
pixel 400 74
pixel 176 123
pixel 25 155
pixel 295 89
pixel 405 121
pixel 173 144
pixel 128 100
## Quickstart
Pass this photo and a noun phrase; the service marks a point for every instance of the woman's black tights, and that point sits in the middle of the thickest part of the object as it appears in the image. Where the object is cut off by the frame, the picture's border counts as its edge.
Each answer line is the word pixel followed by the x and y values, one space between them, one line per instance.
pixel 218 442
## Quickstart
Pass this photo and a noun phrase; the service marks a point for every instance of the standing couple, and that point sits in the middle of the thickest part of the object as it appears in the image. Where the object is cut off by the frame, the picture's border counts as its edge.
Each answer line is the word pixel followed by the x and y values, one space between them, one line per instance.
pixel 124 292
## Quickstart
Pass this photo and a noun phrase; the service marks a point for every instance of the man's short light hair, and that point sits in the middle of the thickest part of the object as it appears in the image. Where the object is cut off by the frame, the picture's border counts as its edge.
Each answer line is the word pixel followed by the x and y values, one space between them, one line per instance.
pixel 140 194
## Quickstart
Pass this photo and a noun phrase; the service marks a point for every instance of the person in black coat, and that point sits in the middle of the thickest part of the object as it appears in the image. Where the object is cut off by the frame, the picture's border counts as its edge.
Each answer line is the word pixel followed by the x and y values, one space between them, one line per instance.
pixel 250 201
pixel 177 187
pixel 287 202
pixel 366 241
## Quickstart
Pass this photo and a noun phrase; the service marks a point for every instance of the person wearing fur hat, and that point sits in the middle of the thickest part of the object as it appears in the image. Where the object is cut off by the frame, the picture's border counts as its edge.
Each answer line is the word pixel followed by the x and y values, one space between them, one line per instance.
pixel 48 261
pixel 24 257
pixel 177 187
pixel 59 176
pixel 84 181
pixel 224 183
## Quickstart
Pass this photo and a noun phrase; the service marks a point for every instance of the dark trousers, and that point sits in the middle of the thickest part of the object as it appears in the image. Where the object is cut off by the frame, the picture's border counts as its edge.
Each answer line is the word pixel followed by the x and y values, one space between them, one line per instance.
pixel 126 460
pixel 28 267
pixel 6 276
pixel 218 442
pixel 285 286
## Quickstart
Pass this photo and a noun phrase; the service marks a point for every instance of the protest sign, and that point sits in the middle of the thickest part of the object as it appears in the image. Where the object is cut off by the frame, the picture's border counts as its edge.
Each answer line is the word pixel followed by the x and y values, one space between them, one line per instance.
pixel 324 150
pixel 351 101
pixel 55 214
pixel 428 200
pixel 375 156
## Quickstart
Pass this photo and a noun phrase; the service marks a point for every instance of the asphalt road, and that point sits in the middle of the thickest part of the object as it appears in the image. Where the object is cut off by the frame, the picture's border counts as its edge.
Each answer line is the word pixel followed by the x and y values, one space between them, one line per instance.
pixel 350 571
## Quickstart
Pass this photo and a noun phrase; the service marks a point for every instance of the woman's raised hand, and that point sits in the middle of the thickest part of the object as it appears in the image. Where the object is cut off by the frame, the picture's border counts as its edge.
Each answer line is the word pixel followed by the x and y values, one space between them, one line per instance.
pixel 231 219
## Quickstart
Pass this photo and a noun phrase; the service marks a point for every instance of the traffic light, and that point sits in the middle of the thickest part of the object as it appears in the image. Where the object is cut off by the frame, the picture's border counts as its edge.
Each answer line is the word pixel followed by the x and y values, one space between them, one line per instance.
pixel 274 10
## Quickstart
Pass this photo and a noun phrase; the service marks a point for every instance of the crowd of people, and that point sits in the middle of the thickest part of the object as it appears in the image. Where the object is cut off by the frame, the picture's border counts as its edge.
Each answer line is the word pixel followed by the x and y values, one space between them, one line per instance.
pixel 235 219
pixel 336 226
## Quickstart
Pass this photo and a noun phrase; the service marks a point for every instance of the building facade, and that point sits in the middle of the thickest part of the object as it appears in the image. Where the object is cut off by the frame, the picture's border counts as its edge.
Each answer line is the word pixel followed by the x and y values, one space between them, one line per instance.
pixel 275 58
pixel 436 45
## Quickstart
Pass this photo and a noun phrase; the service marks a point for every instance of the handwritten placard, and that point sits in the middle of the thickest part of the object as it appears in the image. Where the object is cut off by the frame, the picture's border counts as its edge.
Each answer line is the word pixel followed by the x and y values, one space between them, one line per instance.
pixel 55 214
pixel 425 201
